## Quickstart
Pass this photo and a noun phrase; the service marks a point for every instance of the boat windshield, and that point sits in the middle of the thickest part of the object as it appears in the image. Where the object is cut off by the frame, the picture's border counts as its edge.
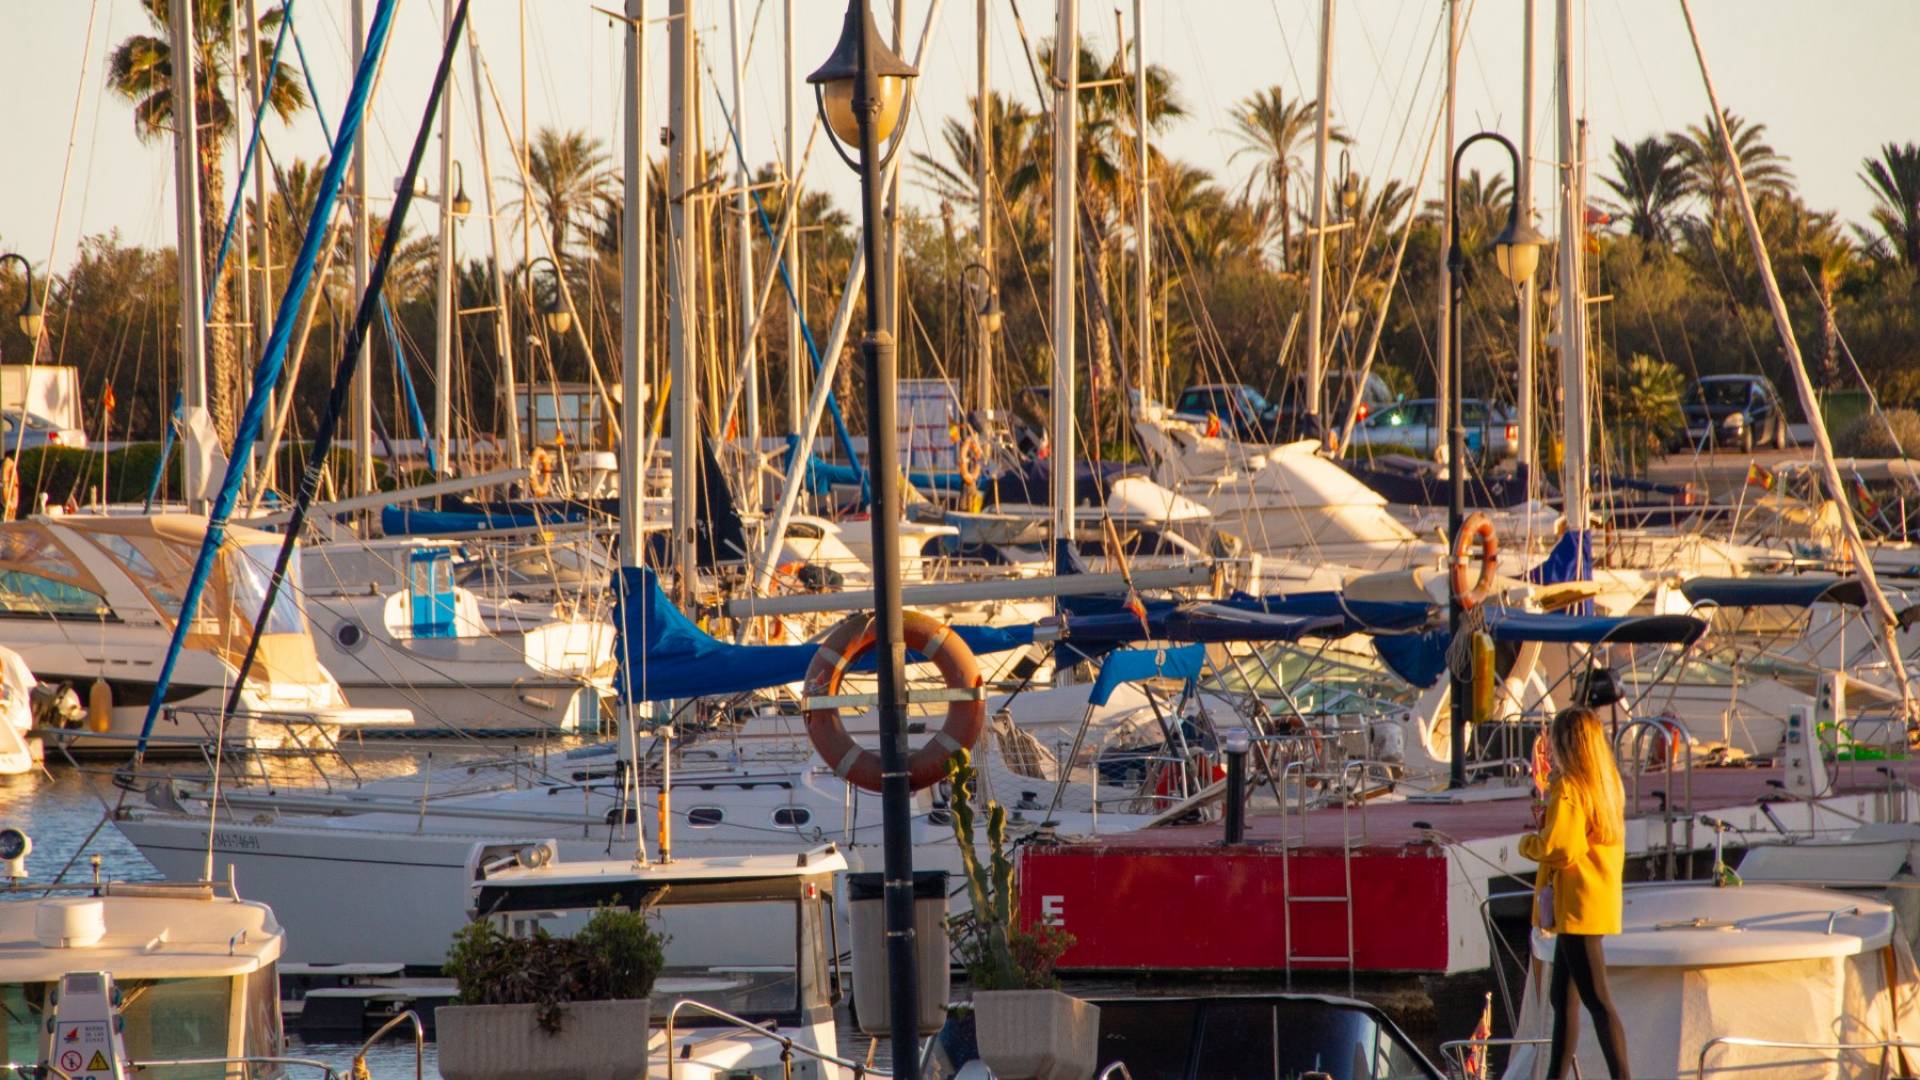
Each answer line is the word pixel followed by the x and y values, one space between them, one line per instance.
pixel 250 569
pixel 1322 681
pixel 166 1020
pixel 735 956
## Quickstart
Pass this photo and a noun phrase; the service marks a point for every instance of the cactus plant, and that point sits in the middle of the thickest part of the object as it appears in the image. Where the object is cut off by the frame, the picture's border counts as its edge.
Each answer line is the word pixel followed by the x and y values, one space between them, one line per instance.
pixel 999 954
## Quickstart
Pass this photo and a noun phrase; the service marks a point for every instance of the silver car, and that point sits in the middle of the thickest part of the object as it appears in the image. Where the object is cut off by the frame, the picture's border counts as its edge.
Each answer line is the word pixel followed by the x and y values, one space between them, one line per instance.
pixel 1415 425
pixel 39 432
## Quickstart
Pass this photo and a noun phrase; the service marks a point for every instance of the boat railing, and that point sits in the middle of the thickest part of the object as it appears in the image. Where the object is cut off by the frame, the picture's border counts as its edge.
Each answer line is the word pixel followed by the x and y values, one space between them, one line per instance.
pixel 327 1072
pixel 1116 1070
pixel 419 1044
pixel 1883 1045
pixel 298 735
pixel 1670 741
pixel 1456 1051
pixel 788 1047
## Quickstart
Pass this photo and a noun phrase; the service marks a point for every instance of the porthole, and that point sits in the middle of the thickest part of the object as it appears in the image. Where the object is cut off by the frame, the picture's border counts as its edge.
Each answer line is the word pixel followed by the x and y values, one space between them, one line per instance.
pixel 791 817
pixel 705 817
pixel 350 635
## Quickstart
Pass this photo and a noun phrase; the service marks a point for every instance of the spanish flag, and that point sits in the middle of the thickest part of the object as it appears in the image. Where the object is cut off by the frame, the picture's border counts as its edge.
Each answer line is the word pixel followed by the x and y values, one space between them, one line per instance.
pixel 1868 504
pixel 1139 611
pixel 1759 477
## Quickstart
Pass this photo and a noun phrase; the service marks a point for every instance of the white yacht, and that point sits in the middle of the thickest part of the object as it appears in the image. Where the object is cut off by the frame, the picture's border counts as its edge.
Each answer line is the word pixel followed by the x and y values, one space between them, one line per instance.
pixel 91 601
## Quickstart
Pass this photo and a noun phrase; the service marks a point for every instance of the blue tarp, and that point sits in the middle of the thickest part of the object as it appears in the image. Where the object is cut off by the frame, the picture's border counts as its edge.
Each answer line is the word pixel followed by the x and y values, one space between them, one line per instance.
pixel 1570 560
pixel 1418 658
pixel 664 656
pixel 1511 625
pixel 1134 665
pixel 1360 615
pixel 1794 591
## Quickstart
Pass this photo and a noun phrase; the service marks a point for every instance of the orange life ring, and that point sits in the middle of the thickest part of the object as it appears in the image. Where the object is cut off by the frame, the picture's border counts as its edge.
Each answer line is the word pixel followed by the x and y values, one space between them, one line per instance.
pixel 540 473
pixel 972 459
pixel 943 648
pixel 1476 525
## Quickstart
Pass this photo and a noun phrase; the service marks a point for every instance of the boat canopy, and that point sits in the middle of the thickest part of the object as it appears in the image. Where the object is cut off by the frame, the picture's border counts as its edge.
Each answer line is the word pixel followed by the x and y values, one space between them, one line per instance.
pixel 664 656
pixel 1515 626
pixel 1799 590
pixel 1138 665
pixel 1360 616
pixel 1196 622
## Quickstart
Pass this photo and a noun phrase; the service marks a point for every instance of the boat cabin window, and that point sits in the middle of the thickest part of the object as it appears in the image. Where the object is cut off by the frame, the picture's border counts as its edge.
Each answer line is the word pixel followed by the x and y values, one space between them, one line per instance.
pixel 791 817
pixel 705 817
pixel 25 593
pixel 250 571
pixel 166 1020
pixel 263 1014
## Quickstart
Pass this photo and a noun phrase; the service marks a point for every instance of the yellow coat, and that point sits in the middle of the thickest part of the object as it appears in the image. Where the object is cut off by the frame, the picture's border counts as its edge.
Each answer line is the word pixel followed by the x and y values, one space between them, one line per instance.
pixel 1584 872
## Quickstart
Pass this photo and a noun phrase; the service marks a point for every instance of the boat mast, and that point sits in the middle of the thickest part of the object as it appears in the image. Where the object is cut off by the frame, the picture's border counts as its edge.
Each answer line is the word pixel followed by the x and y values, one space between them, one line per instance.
pixel 683 398
pixel 1576 504
pixel 743 238
pixel 1523 352
pixel 1066 114
pixel 1317 259
pixel 242 309
pixel 502 321
pixel 263 296
pixel 186 194
pixel 633 289
pixel 1143 218
pixel 797 313
pixel 1443 336
pixel 362 243
pixel 443 301
pixel 1809 401
pixel 983 187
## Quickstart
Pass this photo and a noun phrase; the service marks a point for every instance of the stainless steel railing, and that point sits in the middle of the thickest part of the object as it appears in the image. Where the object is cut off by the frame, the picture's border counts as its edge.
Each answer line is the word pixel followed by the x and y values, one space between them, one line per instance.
pixel 1883 1045
pixel 419 1043
pixel 788 1047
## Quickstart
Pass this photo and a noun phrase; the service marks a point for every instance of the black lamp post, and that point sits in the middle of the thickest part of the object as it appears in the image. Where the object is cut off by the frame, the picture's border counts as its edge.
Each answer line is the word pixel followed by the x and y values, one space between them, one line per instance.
pixel 1517 252
pixel 861 92
pixel 460 206
pixel 554 312
pixel 31 319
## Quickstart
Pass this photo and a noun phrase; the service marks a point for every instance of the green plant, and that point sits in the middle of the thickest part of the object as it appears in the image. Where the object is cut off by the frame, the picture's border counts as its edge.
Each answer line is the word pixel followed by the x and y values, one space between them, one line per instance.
pixel 616 956
pixel 998 952
pixel 1646 408
pixel 1869 436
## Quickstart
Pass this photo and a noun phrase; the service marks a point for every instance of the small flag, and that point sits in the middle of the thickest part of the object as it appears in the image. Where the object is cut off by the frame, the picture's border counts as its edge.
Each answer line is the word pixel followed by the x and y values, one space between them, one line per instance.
pixel 1542 765
pixel 1868 504
pixel 1598 216
pixel 1139 610
pixel 107 400
pixel 1213 426
pixel 1759 476
pixel 1476 1063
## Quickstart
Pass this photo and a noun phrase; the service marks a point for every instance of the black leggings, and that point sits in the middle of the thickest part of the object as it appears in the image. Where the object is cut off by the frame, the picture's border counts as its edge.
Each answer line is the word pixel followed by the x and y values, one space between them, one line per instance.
pixel 1579 966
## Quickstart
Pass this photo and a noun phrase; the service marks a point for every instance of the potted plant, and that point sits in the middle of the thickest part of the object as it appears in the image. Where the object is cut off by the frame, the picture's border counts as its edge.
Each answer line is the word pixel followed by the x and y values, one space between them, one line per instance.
pixel 544 1007
pixel 1025 1027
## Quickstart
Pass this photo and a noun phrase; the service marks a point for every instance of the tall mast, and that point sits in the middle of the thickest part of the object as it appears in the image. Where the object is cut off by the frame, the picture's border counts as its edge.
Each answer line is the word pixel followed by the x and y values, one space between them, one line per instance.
pixel 502 321
pixel 983 185
pixel 1572 284
pixel 443 302
pixel 633 288
pixel 1066 117
pixel 743 234
pixel 1143 218
pixel 242 308
pixel 797 314
pixel 263 296
pixel 1523 352
pixel 681 219
pixel 1317 266
pixel 186 193
pixel 362 243
pixel 1443 336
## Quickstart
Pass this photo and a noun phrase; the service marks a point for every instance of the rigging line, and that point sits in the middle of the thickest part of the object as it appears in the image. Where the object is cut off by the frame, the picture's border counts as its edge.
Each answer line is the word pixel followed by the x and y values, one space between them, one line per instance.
pixel 246 163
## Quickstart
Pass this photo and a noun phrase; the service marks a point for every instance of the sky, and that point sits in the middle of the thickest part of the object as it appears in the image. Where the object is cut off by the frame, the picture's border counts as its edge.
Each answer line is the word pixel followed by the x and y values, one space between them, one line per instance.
pixel 1832 82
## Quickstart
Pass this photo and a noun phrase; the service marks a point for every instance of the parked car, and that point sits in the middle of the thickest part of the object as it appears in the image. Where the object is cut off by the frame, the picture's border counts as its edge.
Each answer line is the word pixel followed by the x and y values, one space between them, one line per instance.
pixel 1737 411
pixel 40 432
pixel 1244 413
pixel 1337 393
pixel 1416 425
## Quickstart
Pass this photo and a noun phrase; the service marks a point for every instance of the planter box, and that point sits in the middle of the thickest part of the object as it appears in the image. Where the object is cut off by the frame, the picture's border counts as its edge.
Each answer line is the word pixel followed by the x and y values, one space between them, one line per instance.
pixel 597 1040
pixel 1036 1034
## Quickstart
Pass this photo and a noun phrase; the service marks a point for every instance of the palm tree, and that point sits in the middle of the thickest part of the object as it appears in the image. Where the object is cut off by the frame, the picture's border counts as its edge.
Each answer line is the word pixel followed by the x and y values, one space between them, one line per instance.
pixel 1710 175
pixel 569 182
pixel 1650 177
pixel 1276 132
pixel 140 70
pixel 1894 178
pixel 1646 407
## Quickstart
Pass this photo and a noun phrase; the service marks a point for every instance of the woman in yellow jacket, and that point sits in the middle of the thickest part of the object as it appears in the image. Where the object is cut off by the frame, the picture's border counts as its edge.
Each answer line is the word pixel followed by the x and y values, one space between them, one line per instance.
pixel 1580 848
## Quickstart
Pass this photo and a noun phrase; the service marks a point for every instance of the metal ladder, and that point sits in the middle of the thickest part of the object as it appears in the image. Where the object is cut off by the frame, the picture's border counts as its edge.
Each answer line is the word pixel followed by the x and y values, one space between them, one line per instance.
pixel 1337 781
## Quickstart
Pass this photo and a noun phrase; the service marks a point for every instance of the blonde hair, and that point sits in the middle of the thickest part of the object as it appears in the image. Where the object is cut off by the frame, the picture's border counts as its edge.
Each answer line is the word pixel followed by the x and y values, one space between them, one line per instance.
pixel 1584 758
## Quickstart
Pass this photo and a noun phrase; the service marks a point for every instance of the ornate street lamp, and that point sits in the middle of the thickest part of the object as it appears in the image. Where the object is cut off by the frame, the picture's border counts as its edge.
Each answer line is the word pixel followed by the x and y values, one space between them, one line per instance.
pixel 460 206
pixel 31 319
pixel 558 319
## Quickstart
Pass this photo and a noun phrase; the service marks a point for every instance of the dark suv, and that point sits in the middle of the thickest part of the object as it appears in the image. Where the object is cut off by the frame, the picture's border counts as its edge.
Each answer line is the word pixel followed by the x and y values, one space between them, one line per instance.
pixel 1244 413
pixel 1735 412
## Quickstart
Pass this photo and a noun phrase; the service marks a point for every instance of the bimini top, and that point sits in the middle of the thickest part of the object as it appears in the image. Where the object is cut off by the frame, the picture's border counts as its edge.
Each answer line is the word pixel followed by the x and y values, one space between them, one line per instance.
pixel 1701 925
pixel 576 886
pixel 1799 590
pixel 1513 625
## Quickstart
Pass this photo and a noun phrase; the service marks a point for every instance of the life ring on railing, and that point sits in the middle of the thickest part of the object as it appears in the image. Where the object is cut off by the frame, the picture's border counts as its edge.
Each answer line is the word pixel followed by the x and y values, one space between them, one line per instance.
pixel 1479 526
pixel 942 648
pixel 10 487
pixel 972 460
pixel 540 473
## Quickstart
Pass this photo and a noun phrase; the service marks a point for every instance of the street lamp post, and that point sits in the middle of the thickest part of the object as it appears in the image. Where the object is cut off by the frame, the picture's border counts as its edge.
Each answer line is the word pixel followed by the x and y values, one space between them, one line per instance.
pixel 1517 252
pixel 558 319
pixel 31 319
pixel 861 92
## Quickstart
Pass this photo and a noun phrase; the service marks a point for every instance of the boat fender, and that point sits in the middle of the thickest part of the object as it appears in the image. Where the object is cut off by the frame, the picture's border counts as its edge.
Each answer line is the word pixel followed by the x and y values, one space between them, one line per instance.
pixel 1477 528
pixel 1484 678
pixel 927 636
pixel 99 706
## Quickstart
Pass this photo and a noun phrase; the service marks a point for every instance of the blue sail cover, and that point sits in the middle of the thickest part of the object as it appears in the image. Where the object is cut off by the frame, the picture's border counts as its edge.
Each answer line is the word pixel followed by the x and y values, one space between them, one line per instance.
pixel 1512 625
pixel 1361 616
pixel 663 656
pixel 1135 665
pixel 1570 560
pixel 1799 591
